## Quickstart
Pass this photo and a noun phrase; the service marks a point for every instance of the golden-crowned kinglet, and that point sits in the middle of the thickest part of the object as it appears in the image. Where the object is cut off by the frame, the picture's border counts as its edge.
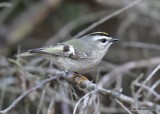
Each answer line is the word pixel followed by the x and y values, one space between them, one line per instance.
pixel 77 54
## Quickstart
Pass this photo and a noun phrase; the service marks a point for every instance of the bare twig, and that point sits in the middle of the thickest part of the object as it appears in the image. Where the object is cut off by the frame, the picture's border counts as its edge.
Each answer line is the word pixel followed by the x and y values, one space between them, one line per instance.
pixel 29 19
pixel 144 86
pixel 84 97
pixel 42 98
pixel 82 82
pixel 147 88
pixel 26 93
pixel 119 102
pixel 133 86
pixel 5 4
pixel 109 78
pixel 67 29
pixel 126 23
pixel 153 87
pixel 155 84
pixel 142 45
pixel 50 108
pixel 107 18
pixel 7 11
pixel 3 92
pixel 148 78
pixel 84 105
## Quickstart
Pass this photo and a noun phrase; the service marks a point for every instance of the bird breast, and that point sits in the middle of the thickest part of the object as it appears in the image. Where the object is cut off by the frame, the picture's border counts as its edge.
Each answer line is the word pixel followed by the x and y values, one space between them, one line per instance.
pixel 76 64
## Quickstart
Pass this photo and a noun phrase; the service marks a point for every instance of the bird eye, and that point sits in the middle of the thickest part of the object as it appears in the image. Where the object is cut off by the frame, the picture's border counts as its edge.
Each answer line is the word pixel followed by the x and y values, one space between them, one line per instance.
pixel 103 40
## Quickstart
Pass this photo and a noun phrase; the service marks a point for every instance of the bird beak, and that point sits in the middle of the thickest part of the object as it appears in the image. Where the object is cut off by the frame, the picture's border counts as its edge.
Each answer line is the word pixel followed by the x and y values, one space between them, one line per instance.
pixel 113 40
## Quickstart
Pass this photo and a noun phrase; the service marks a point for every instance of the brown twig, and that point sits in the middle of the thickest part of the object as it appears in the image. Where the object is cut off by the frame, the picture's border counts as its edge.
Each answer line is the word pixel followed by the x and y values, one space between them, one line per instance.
pixel 119 11
pixel 5 4
pixel 147 79
pixel 86 84
pixel 109 78
pixel 26 93
pixel 68 28
pixel 142 45
pixel 81 82
pixel 120 103
pixel 83 98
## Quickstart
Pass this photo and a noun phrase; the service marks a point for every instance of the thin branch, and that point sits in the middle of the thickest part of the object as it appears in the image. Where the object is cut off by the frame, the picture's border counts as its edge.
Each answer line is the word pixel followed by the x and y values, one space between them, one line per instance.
pixel 5 4
pixel 26 93
pixel 133 91
pixel 84 97
pixel 86 84
pixel 119 11
pixel 147 88
pixel 142 45
pixel 148 78
pixel 155 84
pixel 143 85
pixel 153 87
pixel 42 98
pixel 109 78
pixel 50 108
pixel 7 11
pixel 126 23
pixel 68 28
pixel 81 82
pixel 119 102
pixel 3 92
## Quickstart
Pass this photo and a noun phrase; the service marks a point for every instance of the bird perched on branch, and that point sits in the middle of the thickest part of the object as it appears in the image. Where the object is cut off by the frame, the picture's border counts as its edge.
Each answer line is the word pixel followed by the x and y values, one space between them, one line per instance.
pixel 76 54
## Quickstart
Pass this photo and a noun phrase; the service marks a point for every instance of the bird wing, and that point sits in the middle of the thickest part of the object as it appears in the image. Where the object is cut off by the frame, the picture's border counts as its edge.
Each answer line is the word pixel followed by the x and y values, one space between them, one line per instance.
pixel 63 50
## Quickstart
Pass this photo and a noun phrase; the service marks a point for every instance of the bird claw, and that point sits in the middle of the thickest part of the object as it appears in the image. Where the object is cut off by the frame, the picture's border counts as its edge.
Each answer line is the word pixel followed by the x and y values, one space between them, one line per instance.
pixel 79 79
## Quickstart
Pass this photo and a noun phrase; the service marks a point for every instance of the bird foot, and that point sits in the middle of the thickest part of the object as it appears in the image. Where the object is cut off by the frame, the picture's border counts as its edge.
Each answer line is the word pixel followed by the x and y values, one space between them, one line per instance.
pixel 79 79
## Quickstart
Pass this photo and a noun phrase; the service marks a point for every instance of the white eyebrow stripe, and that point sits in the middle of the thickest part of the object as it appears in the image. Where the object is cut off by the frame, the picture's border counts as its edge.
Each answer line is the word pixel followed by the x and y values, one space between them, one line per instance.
pixel 95 38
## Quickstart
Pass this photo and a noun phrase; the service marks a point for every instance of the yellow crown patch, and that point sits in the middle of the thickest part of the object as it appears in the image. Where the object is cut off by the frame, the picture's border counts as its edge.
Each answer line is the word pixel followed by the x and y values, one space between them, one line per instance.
pixel 100 33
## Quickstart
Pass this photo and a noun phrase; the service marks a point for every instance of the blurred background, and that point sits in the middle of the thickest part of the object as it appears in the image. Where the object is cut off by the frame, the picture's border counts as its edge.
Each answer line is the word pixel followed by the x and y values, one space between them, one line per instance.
pixel 28 24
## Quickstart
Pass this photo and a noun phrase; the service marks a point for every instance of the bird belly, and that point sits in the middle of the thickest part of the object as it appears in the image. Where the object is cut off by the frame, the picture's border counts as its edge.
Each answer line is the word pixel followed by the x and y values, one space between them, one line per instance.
pixel 75 65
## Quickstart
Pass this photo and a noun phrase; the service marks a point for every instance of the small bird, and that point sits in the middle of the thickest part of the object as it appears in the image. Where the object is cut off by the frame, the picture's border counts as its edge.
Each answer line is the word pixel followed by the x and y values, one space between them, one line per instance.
pixel 76 54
